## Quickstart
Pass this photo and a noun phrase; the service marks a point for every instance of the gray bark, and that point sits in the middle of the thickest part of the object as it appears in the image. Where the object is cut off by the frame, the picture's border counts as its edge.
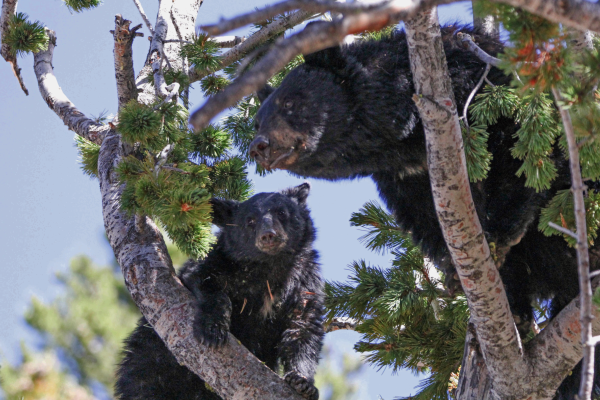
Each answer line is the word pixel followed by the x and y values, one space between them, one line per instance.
pixel 58 102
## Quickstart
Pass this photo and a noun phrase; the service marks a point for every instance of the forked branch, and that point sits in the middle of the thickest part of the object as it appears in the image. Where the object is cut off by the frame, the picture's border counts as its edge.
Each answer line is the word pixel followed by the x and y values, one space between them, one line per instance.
pixel 9 7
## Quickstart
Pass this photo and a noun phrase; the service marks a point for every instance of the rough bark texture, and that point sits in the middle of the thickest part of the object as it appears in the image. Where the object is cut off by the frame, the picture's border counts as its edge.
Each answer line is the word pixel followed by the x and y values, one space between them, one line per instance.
pixel 474 382
pixel 579 14
pixel 490 313
pixel 232 371
pixel 124 75
pixel 583 257
pixel 9 7
pixel 58 102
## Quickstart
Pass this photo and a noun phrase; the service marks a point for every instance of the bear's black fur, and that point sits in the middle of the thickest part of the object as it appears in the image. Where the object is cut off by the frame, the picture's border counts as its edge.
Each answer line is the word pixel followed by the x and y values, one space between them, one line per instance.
pixel 348 112
pixel 261 282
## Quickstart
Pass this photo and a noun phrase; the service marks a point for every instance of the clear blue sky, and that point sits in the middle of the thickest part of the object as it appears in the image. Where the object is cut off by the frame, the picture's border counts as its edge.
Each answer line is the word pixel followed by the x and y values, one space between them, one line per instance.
pixel 50 211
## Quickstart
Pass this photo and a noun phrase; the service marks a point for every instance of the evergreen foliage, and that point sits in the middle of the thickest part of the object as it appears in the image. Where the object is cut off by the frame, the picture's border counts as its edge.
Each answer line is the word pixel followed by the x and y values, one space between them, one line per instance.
pixel 81 5
pixel 24 36
pixel 405 318
pixel 88 156
pixel 338 376
pixel 478 156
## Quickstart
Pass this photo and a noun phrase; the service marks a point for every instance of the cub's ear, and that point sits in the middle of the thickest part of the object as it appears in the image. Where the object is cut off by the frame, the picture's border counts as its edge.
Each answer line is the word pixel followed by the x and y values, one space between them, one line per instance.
pixel 265 92
pixel 298 193
pixel 223 211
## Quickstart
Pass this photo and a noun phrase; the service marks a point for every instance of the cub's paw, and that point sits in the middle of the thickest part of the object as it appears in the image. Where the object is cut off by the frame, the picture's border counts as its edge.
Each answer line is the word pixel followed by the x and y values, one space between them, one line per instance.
pixel 211 330
pixel 304 386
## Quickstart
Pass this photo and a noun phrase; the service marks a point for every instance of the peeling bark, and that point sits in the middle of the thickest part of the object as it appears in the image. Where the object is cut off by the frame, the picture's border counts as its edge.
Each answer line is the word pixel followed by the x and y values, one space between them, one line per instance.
pixel 124 75
pixel 9 8
pixel 58 102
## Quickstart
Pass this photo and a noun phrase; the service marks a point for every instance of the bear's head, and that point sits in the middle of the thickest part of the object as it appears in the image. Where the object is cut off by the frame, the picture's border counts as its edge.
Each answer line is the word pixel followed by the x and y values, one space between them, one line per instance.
pixel 310 111
pixel 266 225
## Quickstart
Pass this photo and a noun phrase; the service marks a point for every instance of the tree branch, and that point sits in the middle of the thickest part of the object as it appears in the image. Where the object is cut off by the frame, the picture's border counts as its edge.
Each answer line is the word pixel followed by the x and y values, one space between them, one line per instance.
pixel 467 41
pixel 312 6
pixel 583 259
pixel 580 14
pixel 124 75
pixel 157 55
pixel 258 38
pixel 9 7
pixel 490 313
pixel 313 38
pixel 56 99
pixel 232 371
pixel 341 323
pixel 144 17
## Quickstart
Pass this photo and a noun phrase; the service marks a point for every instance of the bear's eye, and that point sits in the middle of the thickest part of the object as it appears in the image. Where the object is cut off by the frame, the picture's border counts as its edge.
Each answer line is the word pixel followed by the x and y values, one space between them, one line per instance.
pixel 251 221
pixel 256 125
pixel 282 213
pixel 288 104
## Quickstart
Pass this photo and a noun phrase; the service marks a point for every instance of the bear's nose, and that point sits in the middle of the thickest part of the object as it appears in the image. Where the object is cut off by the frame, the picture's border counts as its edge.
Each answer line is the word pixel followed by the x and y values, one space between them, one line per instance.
pixel 258 147
pixel 268 236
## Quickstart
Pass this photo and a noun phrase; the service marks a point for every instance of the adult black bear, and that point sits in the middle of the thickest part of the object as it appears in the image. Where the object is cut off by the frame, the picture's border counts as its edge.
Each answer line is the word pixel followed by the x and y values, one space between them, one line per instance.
pixel 348 112
pixel 260 282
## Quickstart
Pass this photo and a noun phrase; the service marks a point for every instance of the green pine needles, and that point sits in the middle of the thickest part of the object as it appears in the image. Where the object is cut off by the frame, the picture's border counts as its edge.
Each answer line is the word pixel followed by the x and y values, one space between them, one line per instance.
pixel 173 172
pixel 81 5
pixel 404 316
pixel 24 36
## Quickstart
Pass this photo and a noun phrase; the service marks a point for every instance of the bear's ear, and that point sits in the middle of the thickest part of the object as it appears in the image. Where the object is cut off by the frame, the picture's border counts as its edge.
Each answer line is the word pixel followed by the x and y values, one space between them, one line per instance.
pixel 265 92
pixel 223 211
pixel 298 193
pixel 330 59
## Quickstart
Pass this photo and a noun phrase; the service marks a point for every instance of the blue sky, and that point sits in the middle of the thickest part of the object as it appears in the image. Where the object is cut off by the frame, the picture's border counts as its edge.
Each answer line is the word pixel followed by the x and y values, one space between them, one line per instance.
pixel 50 211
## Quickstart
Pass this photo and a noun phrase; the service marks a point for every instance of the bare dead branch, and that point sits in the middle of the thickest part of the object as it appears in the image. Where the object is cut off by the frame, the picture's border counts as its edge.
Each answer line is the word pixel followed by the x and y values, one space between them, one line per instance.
pixel 229 41
pixel 258 38
pixel 124 74
pixel 313 6
pixel 9 7
pixel 583 259
pixel 313 38
pixel 58 102
pixel 472 94
pixel 467 41
pixel 144 17
pixel 232 371
pixel 563 230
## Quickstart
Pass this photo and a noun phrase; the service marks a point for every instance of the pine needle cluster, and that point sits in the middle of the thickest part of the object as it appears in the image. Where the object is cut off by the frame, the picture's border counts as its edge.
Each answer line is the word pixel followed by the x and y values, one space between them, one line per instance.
pixel 405 318
pixel 173 171
pixel 24 36
pixel 81 5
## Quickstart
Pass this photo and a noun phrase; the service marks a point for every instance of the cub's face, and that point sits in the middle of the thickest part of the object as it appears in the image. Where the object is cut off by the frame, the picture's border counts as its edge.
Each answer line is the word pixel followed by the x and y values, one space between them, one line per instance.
pixel 266 225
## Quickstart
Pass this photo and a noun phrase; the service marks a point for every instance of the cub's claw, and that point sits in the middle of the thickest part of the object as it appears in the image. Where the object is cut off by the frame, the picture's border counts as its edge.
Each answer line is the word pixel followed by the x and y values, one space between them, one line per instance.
pixel 210 331
pixel 305 387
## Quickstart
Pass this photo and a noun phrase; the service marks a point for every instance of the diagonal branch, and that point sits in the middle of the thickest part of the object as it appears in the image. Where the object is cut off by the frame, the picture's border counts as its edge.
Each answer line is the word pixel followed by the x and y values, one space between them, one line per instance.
pixel 312 6
pixel 56 99
pixel 232 371
pixel 258 38
pixel 315 37
pixel 580 14
pixel 144 16
pixel 124 75
pixel 9 7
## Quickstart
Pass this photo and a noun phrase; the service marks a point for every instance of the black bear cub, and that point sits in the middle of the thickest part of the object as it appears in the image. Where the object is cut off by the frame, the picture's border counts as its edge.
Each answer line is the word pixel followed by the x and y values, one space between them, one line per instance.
pixel 348 112
pixel 261 282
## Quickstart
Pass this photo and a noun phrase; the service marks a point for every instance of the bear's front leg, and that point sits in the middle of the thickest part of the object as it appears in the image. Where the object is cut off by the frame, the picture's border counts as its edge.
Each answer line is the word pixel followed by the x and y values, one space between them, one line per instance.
pixel 301 343
pixel 213 318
